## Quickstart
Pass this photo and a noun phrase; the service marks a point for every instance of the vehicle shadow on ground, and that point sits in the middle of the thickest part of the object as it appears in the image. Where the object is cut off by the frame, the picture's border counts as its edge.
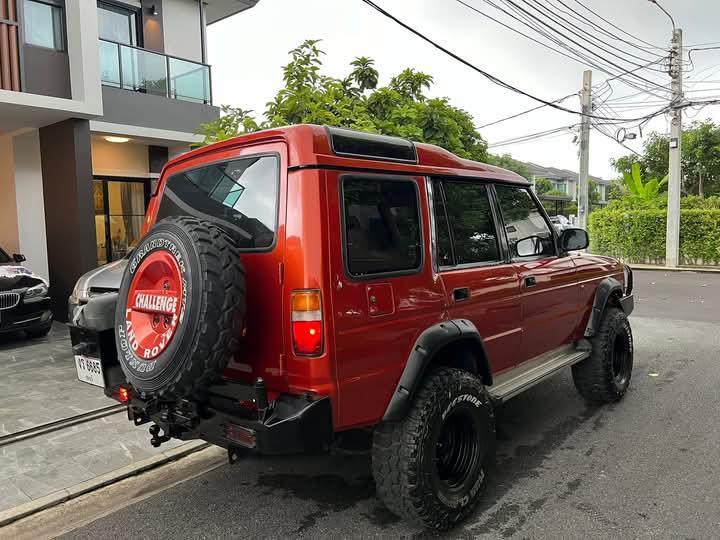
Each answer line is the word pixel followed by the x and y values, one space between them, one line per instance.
pixel 20 340
pixel 529 428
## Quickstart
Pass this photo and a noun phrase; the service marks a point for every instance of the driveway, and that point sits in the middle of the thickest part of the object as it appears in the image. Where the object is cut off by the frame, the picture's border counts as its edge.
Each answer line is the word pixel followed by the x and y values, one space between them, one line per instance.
pixel 644 467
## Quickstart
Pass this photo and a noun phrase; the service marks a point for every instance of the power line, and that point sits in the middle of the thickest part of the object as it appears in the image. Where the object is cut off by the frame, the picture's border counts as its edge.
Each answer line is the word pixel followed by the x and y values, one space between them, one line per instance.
pixel 524 112
pixel 531 136
pixel 576 43
pixel 570 26
pixel 580 17
pixel 531 23
pixel 490 77
pixel 615 26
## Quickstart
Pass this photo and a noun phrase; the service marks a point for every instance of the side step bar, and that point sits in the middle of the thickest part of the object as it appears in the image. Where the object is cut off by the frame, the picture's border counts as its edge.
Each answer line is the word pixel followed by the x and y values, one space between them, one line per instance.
pixel 519 379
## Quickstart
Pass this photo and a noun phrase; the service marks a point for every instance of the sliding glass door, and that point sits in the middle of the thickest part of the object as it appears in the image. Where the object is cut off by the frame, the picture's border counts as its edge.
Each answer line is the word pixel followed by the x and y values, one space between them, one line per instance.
pixel 120 206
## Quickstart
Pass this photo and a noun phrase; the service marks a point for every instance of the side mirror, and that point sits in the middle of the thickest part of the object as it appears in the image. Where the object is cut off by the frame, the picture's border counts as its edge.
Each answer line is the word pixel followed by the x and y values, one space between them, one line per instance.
pixel 574 240
pixel 18 258
pixel 529 247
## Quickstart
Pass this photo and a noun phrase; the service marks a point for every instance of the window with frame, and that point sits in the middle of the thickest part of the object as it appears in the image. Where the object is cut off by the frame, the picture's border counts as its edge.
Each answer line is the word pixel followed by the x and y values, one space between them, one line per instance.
pixel 466 232
pixel 44 24
pixel 117 24
pixel 241 196
pixel 382 226
pixel 528 234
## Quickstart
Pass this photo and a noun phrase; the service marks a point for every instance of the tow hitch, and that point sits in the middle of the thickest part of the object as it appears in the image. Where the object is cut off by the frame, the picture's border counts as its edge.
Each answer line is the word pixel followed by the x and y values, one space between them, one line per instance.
pixel 157 439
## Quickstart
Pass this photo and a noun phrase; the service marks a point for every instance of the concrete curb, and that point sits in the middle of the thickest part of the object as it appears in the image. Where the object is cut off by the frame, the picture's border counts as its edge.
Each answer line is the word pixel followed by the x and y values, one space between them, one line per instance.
pixel 59 497
pixel 698 269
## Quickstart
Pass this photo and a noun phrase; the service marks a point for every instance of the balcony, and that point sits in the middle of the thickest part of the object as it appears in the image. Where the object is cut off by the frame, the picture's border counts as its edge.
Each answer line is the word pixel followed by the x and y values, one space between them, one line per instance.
pixel 139 70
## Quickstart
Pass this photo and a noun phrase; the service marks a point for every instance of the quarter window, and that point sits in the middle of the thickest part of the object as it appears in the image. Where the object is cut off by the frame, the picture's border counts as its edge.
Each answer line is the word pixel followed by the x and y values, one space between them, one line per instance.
pixel 470 219
pixel 382 226
pixel 528 233
pixel 43 25
pixel 241 196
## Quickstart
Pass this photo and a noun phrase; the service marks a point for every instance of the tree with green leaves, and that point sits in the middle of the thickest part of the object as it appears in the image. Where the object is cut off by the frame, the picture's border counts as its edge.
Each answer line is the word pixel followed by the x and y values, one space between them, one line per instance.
pixel 401 108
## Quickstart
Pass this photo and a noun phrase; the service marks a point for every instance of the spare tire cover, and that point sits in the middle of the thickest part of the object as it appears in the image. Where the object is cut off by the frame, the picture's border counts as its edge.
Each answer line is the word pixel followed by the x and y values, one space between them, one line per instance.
pixel 180 309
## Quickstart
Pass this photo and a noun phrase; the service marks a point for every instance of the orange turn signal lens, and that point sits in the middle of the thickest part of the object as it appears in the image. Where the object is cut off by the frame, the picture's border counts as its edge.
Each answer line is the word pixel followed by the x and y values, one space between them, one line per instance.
pixel 306 301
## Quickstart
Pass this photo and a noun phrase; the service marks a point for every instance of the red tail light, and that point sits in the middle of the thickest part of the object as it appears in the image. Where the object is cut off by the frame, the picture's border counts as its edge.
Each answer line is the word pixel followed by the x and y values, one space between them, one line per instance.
pixel 307 323
pixel 123 394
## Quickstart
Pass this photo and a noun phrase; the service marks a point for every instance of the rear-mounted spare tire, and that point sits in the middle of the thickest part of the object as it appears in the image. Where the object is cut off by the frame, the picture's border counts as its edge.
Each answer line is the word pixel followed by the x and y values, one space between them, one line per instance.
pixel 180 309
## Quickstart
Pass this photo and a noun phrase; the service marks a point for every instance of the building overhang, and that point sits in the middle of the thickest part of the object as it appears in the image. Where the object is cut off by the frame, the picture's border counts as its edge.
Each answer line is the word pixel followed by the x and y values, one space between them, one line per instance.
pixel 217 10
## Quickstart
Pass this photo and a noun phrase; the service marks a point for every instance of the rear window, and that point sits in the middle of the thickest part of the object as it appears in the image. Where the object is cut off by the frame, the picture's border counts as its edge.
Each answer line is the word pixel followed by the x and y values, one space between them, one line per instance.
pixel 382 226
pixel 241 196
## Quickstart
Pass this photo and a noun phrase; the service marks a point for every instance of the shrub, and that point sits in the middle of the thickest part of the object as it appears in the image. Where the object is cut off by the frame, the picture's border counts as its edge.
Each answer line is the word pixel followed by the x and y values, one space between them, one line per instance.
pixel 639 235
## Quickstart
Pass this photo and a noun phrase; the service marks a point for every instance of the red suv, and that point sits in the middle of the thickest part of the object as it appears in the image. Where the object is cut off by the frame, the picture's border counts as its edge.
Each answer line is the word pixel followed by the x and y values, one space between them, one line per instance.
pixel 297 283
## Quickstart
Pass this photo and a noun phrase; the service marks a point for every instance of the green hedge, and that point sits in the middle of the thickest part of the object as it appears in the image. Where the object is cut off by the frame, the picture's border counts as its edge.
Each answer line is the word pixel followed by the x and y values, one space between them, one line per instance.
pixel 639 235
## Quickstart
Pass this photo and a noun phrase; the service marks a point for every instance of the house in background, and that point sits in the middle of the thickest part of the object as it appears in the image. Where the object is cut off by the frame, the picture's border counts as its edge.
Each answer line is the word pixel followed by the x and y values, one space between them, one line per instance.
pixel 95 97
pixel 566 182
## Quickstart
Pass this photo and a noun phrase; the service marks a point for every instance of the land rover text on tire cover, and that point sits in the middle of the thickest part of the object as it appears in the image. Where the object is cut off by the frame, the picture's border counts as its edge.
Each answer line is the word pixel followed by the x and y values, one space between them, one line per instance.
pixel 296 284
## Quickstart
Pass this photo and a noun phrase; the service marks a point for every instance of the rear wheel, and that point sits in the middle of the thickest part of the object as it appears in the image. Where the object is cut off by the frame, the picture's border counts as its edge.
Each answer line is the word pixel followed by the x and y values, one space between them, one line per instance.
pixel 430 467
pixel 604 376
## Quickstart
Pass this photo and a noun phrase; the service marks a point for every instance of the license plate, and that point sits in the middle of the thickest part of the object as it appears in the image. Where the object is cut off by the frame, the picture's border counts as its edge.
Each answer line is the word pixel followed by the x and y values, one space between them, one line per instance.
pixel 89 370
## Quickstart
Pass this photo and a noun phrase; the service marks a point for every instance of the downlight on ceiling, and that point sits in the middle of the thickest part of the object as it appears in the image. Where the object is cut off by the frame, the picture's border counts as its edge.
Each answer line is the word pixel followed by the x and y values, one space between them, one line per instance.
pixel 113 139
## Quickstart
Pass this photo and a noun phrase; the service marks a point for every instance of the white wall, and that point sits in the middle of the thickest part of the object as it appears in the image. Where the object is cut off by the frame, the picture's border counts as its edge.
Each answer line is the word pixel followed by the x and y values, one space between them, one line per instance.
pixel 181 29
pixel 30 204
pixel 8 212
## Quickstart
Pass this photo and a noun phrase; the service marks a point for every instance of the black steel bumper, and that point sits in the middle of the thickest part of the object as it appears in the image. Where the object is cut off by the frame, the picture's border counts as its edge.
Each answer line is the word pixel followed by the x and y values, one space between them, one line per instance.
pixel 228 414
pixel 26 316
pixel 290 425
pixel 627 303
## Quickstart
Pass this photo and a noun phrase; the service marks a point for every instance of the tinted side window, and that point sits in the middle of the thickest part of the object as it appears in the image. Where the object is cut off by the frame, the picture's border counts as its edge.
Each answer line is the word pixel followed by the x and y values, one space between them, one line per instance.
pixel 241 196
pixel 471 222
pixel 382 226
pixel 527 231
pixel 442 229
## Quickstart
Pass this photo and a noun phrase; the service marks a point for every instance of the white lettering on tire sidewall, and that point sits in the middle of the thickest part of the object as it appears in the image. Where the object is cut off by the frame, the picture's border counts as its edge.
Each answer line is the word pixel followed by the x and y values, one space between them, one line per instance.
pixel 463 501
pixel 129 347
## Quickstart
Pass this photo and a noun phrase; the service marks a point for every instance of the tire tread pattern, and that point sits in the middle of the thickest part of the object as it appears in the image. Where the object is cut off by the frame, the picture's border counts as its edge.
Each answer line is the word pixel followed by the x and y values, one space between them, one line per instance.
pixel 593 377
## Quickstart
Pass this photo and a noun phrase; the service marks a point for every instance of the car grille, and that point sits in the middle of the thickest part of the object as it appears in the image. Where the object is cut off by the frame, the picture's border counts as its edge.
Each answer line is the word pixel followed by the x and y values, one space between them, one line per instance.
pixel 9 300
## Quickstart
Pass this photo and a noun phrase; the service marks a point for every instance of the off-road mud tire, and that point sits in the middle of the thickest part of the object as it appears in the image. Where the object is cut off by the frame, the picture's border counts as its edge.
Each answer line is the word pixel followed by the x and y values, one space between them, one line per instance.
pixel 604 377
pixel 404 452
pixel 208 336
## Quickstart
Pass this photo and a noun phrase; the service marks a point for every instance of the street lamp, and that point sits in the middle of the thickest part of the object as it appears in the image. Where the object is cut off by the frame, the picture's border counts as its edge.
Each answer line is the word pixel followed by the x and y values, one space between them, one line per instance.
pixel 664 11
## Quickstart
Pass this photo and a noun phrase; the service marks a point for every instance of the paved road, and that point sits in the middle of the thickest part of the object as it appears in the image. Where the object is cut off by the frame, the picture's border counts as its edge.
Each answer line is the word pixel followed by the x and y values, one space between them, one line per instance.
pixel 648 466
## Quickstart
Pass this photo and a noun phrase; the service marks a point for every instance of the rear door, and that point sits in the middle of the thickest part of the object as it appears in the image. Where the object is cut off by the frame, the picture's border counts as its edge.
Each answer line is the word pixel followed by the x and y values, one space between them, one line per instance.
pixel 384 293
pixel 480 283
pixel 243 190
pixel 548 285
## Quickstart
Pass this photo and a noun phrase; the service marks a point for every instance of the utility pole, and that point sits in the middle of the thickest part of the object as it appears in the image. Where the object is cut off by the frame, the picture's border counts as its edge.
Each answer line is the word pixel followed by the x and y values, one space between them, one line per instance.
pixel 672 243
pixel 583 199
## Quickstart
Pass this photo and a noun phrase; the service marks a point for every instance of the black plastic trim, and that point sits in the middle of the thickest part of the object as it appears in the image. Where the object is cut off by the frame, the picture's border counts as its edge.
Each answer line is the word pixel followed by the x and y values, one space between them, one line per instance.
pixel 605 290
pixel 399 150
pixel 430 342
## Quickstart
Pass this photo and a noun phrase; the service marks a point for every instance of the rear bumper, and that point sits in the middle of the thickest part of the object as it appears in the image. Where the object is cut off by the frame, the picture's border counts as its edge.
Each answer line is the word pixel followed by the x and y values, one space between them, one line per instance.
pixel 229 414
pixel 290 425
pixel 26 316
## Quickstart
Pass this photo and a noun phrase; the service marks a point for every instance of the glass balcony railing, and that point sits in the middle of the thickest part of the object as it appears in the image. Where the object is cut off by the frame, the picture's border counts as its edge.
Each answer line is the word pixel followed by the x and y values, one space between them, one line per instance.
pixel 140 70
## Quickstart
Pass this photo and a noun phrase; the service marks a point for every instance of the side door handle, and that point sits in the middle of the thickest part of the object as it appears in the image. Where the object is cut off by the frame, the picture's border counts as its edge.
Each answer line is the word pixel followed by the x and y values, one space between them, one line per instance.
pixel 461 293
pixel 530 281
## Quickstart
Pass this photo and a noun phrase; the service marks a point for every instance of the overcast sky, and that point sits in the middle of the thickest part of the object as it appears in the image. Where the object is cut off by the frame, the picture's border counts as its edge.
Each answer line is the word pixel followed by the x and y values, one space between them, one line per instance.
pixel 248 50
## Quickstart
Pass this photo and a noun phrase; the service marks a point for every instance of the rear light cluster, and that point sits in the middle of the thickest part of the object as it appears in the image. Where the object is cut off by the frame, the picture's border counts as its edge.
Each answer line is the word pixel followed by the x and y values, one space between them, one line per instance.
pixel 307 323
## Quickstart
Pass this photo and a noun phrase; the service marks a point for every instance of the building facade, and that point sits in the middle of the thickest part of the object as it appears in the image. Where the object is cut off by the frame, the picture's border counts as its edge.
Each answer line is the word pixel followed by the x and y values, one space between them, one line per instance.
pixel 566 181
pixel 95 97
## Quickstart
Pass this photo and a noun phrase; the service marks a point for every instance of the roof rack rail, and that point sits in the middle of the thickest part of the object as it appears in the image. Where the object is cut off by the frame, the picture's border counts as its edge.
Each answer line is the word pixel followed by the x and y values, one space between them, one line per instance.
pixel 358 144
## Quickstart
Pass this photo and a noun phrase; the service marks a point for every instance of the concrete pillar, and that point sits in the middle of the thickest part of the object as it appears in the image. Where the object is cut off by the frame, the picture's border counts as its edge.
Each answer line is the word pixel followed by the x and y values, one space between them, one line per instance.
pixel 69 211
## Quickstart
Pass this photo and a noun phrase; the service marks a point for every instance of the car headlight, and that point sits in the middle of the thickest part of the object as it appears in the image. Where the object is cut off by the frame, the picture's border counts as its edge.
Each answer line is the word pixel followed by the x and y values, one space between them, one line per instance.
pixel 38 291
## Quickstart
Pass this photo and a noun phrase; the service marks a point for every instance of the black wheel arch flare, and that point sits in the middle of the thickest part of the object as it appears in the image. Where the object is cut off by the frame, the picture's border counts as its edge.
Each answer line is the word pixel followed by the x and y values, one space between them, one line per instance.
pixel 425 350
